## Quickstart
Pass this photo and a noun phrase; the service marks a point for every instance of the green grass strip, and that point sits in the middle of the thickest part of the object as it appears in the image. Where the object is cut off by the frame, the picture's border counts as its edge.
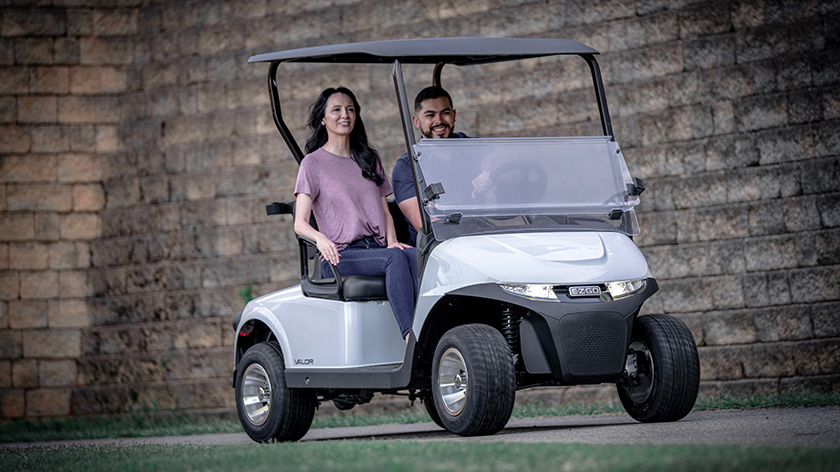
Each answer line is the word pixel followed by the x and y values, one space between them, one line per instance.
pixel 150 423
pixel 725 402
pixel 134 425
pixel 433 456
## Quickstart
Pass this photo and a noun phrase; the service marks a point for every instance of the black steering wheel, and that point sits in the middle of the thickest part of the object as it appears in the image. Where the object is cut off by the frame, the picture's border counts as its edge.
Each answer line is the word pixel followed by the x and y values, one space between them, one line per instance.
pixel 519 182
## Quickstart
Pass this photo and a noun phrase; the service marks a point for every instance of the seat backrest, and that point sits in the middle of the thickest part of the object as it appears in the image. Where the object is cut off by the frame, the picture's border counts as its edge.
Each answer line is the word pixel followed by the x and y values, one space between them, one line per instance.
pixel 400 223
pixel 308 252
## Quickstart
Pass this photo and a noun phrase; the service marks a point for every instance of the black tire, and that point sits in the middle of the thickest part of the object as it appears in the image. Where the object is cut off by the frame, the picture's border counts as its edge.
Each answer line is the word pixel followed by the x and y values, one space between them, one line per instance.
pixel 480 398
pixel 429 403
pixel 668 378
pixel 274 412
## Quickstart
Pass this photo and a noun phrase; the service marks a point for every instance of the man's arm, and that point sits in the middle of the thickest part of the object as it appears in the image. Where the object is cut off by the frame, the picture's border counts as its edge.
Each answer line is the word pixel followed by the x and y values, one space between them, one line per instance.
pixel 403 183
pixel 409 208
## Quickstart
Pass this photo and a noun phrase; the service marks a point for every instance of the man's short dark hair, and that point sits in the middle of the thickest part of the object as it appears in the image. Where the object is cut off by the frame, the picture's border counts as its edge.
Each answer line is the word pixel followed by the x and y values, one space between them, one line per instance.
pixel 430 93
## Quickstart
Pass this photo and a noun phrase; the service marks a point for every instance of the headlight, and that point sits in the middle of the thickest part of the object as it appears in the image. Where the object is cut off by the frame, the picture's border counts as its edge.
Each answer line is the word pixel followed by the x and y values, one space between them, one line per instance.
pixel 532 291
pixel 614 290
pixel 619 290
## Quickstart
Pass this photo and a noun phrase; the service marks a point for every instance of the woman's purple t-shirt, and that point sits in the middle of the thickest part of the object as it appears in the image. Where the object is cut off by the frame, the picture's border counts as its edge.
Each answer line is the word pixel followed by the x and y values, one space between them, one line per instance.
pixel 346 205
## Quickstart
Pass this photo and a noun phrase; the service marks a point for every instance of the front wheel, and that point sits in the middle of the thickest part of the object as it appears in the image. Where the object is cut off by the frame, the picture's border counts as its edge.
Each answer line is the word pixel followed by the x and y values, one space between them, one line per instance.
pixel 663 370
pixel 268 410
pixel 429 403
pixel 473 380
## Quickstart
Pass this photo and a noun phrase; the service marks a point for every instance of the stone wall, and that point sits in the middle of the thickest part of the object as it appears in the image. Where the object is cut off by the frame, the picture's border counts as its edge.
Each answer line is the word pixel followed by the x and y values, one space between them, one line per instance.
pixel 137 152
pixel 59 121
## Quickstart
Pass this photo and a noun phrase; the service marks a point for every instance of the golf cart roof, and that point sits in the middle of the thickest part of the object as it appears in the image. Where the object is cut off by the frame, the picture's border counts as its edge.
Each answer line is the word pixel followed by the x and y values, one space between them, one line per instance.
pixel 459 51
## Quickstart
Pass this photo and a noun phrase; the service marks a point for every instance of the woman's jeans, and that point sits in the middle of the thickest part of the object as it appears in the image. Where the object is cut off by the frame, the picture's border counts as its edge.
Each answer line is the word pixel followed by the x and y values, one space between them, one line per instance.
pixel 399 266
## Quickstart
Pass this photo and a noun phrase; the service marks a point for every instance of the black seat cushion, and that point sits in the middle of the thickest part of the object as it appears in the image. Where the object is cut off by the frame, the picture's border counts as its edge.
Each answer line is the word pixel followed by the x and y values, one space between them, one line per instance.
pixel 356 287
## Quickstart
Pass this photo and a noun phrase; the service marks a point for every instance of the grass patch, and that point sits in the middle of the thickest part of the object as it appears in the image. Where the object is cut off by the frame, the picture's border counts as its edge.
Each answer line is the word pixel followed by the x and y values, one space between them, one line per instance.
pixel 724 402
pixel 796 399
pixel 422 456
pixel 144 424
pixel 151 423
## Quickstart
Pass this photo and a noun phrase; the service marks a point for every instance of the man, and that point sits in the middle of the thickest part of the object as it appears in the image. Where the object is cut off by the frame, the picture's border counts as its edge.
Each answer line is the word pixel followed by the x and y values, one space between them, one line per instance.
pixel 434 116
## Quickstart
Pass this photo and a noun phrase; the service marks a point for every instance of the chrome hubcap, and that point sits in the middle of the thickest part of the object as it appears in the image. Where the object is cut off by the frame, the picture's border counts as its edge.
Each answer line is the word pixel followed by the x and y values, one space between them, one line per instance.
pixel 453 381
pixel 644 374
pixel 256 394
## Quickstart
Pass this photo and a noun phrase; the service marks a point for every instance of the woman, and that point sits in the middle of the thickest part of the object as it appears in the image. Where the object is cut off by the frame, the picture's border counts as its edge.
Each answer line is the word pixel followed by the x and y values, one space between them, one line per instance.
pixel 342 182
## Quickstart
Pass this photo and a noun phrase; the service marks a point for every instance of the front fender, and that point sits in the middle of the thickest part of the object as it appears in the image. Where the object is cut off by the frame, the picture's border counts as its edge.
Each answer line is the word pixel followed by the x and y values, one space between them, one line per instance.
pixel 556 258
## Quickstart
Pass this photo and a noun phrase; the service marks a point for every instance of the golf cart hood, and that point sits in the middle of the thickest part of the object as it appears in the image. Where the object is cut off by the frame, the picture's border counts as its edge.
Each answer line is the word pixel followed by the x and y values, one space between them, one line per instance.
pixel 539 258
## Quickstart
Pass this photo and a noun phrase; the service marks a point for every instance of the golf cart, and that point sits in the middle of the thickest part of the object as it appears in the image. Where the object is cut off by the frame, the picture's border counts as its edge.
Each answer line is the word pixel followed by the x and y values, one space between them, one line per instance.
pixel 528 276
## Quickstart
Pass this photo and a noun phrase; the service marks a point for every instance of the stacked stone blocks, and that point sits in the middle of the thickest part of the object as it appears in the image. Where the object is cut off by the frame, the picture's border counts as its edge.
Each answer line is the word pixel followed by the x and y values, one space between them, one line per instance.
pixel 137 153
pixel 59 126
pixel 740 224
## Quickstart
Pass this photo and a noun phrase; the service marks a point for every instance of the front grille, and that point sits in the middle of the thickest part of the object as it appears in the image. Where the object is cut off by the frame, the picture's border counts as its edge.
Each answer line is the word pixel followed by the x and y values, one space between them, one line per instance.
pixel 593 343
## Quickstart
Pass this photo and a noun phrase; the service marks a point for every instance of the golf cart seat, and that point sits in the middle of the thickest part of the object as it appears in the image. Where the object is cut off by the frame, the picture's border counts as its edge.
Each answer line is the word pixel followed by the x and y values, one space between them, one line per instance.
pixel 337 287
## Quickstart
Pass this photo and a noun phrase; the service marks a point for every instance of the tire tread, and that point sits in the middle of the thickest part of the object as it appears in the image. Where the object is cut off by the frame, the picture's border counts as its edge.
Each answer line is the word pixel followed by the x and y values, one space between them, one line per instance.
pixel 492 383
pixel 292 409
pixel 676 369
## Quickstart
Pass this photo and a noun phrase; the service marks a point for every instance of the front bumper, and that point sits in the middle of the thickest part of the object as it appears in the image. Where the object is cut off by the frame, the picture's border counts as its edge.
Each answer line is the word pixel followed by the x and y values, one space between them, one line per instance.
pixel 577 340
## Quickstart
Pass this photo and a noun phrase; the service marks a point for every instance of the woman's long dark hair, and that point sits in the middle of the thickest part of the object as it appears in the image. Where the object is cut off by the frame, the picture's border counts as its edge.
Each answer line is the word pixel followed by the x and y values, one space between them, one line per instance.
pixel 363 153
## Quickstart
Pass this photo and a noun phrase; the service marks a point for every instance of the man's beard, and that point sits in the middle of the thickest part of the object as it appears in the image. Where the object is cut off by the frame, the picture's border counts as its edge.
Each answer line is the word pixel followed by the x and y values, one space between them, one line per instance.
pixel 430 135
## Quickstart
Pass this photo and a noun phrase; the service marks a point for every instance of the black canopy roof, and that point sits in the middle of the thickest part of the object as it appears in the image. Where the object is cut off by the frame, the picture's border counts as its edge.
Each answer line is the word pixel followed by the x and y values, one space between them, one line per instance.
pixel 459 51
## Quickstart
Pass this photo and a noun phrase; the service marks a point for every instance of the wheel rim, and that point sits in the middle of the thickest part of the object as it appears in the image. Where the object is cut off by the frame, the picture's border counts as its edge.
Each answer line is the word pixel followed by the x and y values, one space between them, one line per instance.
pixel 452 381
pixel 645 374
pixel 256 394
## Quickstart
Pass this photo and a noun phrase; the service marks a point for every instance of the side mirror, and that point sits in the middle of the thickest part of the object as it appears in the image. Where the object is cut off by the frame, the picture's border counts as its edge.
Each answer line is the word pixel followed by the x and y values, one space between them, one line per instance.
pixel 636 188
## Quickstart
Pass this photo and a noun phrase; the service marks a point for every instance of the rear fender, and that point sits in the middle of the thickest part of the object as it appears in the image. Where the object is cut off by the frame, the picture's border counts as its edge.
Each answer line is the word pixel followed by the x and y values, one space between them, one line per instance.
pixel 261 319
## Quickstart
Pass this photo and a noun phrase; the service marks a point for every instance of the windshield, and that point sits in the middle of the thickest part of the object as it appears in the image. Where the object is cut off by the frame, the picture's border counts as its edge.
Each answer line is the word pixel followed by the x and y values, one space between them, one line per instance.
pixel 484 185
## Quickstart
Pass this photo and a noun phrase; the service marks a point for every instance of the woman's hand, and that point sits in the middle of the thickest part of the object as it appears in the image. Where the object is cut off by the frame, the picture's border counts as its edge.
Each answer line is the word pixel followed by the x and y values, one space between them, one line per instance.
pixel 328 250
pixel 398 245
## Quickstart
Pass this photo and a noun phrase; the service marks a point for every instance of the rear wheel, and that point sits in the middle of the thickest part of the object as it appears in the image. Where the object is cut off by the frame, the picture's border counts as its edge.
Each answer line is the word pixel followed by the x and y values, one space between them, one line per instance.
pixel 663 370
pixel 268 410
pixel 473 380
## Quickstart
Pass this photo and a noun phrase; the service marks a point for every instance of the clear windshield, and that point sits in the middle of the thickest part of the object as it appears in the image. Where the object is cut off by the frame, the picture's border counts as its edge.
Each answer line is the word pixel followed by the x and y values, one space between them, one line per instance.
pixel 526 184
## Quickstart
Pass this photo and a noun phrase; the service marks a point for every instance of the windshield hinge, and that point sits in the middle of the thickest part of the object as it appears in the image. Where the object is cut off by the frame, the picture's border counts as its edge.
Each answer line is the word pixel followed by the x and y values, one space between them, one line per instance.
pixel 616 213
pixel 635 189
pixel 454 218
pixel 434 191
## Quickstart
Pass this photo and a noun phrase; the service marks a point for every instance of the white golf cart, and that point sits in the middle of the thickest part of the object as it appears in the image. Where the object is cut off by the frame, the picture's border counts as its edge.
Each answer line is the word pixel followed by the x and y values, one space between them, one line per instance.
pixel 529 277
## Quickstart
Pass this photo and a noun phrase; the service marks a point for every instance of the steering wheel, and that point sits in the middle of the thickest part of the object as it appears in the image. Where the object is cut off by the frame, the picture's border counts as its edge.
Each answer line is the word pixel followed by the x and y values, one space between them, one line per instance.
pixel 519 182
